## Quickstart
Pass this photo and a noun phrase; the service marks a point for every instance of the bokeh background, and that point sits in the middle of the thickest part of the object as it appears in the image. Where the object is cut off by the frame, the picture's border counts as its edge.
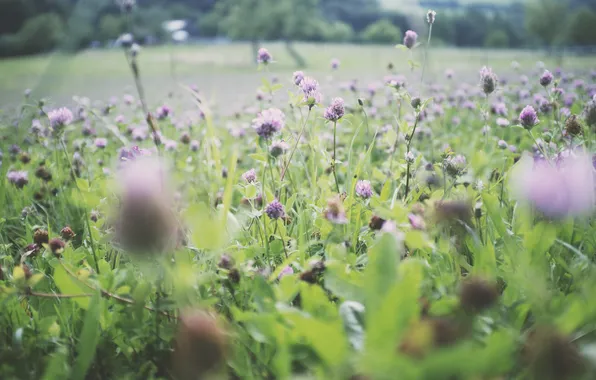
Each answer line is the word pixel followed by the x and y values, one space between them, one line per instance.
pixel 61 48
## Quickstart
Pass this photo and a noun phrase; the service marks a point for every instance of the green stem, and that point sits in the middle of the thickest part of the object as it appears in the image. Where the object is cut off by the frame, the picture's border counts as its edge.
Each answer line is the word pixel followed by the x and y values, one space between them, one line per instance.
pixel 408 144
pixel 283 173
pixel 430 31
pixel 334 166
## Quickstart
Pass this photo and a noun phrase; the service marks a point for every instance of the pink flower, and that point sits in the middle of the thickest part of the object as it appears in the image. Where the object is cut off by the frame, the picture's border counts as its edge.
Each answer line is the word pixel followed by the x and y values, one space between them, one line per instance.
pixel 557 189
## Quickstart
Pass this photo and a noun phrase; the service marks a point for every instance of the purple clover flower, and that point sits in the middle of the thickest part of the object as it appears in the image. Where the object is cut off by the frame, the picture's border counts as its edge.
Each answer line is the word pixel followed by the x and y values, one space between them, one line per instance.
pixel 59 118
pixel 416 221
pixel 335 111
pixel 528 117
pixel 298 77
pixel 163 112
pixel 275 210
pixel 269 122
pixel 335 63
pixel 263 56
pixel 364 189
pixel 564 188
pixel 335 212
pixel 278 148
pixel 287 271
pixel 488 80
pixel 546 78
pixel 18 178
pixel 310 89
pixel 101 142
pixel 250 176
pixel 410 39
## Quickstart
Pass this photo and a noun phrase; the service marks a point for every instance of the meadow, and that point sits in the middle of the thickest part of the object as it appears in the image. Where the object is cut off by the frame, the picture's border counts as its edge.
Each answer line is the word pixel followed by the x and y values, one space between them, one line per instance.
pixel 383 213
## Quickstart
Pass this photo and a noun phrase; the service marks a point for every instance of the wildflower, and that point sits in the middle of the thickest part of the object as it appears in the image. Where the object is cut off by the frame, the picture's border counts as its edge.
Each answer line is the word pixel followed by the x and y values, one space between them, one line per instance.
pixel 275 210
pixel 18 178
pixel 363 189
pixel 127 5
pixel 163 112
pixel 335 111
pixel 410 39
pixel 551 355
pixel 268 122
pixel 146 222
pixel 572 126
pixel 502 144
pixel 59 118
pixel 41 237
pixel 477 294
pixel 376 223
pixel 226 262
pixel 56 246
pixel 502 122
pixel 310 89
pixel 180 35
pixel 449 73
pixel 410 158
pixel 528 117
pixel 415 102
pixel 200 346
pixel 194 145
pixel 560 189
pixel 430 16
pixel 298 77
pixel 335 212
pixel 455 165
pixel 546 78
pixel 488 80
pixel 135 49
pixel 171 145
pixel 416 221
pixel 67 233
pixel 278 148
pixel 287 271
pixel 335 63
pixel 101 142
pixel 263 56
pixel 125 40
pixel 250 176
pixel 128 99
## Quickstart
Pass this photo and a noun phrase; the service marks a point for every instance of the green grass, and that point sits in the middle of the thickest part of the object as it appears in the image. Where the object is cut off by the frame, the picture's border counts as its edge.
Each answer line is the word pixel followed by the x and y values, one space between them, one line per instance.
pixel 224 71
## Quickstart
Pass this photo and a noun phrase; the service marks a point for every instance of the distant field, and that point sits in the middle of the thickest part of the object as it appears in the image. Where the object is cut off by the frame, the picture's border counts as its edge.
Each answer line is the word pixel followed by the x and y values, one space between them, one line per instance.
pixel 225 73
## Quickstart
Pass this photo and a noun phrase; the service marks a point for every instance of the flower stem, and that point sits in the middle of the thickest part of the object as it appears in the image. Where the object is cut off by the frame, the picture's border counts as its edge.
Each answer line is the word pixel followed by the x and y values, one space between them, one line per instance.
pixel 430 31
pixel 334 166
pixel 283 173
pixel 408 144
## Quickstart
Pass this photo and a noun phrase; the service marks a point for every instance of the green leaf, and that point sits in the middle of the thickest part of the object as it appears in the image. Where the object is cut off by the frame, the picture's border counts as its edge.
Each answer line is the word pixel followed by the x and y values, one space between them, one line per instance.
pixel 381 272
pixel 88 339
pixel 69 285
pixel 258 157
pixel 352 314
pixel 541 238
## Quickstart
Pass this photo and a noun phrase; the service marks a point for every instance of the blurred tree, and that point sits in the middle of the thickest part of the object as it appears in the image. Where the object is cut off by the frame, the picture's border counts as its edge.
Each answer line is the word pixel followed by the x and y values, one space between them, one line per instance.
pixel 382 31
pixel 40 33
pixel 471 28
pixel 338 32
pixel 110 27
pixel 582 29
pixel 547 20
pixel 497 39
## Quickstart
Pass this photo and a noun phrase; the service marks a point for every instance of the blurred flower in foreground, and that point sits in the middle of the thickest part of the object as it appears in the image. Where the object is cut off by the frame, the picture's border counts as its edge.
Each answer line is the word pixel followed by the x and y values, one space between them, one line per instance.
pixel 200 346
pixel 174 25
pixel 335 212
pixel 146 222
pixel 546 78
pixel 285 272
pixel 557 189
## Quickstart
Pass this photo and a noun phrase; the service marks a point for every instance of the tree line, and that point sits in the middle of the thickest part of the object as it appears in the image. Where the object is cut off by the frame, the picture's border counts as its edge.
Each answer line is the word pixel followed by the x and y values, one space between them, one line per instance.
pixel 34 26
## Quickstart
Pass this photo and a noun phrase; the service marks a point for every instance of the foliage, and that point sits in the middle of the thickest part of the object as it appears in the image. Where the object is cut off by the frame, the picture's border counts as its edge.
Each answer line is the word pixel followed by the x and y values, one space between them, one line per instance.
pixel 496 39
pixel 382 31
pixel 442 259
pixel 40 33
